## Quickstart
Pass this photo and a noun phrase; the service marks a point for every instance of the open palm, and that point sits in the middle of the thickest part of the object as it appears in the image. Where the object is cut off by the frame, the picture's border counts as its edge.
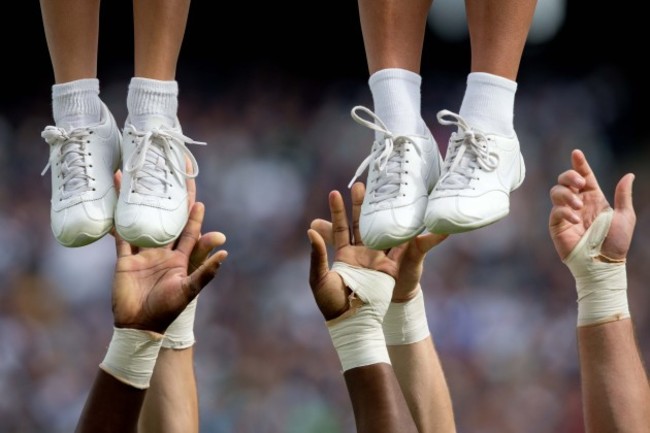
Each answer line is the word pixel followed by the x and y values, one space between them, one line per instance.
pixel 328 287
pixel 152 286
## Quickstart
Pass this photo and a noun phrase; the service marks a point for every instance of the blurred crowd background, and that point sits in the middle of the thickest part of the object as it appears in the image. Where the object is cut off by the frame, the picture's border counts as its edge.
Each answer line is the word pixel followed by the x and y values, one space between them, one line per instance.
pixel 272 97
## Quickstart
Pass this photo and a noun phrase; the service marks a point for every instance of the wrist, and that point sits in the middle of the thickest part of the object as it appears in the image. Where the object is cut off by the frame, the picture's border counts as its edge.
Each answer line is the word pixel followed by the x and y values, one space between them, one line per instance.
pixel 357 334
pixel 180 334
pixel 601 284
pixel 131 356
pixel 406 322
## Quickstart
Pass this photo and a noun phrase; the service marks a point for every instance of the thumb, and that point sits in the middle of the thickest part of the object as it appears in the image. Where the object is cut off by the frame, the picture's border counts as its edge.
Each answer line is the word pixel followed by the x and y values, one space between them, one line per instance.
pixel 623 194
pixel 319 265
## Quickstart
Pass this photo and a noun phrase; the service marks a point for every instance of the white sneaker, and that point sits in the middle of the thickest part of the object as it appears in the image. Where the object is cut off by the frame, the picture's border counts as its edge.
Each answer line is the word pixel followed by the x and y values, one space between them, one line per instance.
pixel 83 162
pixel 479 172
pixel 153 205
pixel 402 170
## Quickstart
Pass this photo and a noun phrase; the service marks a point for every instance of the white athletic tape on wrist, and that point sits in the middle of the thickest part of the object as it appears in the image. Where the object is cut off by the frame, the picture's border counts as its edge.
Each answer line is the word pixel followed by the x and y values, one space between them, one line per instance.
pixel 357 334
pixel 406 322
pixel 601 285
pixel 131 356
pixel 180 334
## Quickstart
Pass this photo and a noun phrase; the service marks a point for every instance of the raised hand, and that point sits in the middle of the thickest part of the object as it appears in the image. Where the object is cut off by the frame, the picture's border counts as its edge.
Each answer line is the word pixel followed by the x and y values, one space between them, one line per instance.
pixel 327 286
pixel 153 285
pixel 577 200
pixel 412 261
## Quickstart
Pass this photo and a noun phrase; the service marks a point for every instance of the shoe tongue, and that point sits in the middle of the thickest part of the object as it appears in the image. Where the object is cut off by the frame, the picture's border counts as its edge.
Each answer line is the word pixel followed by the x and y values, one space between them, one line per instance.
pixel 149 122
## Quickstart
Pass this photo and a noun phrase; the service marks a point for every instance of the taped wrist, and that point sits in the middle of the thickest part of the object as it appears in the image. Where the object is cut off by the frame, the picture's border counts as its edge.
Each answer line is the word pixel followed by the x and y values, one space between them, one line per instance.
pixel 131 356
pixel 180 334
pixel 357 334
pixel 601 283
pixel 406 322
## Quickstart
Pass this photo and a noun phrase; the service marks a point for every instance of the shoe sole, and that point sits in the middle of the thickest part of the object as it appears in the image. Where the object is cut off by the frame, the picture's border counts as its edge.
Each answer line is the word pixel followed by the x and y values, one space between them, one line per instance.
pixel 388 242
pixel 83 239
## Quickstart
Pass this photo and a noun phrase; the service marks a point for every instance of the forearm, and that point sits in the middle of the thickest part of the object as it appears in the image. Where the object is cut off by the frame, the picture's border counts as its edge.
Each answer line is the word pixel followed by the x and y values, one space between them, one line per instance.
pixel 422 381
pixel 417 366
pixel 115 400
pixel 171 404
pixel 358 337
pixel 614 381
pixel 377 401
pixel 112 406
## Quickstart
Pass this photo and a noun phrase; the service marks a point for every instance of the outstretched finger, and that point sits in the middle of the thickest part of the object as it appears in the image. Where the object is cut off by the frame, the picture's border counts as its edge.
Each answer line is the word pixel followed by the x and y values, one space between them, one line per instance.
pixel 203 247
pixel 192 231
pixel 580 164
pixel 205 273
pixel 358 192
pixel 319 266
pixel 191 184
pixel 324 228
pixel 340 225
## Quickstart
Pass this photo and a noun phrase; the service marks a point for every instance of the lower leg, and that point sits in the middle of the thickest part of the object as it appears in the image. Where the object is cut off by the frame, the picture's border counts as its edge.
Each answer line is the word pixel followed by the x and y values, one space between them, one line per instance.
pixel 393 33
pixel 71 31
pixel 73 53
pixel 498 31
pixel 393 37
pixel 159 28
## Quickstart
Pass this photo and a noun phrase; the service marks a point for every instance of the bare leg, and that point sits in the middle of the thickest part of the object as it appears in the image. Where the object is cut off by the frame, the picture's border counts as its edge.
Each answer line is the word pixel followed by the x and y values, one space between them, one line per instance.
pixel 393 33
pixel 159 28
pixel 72 48
pixel 498 31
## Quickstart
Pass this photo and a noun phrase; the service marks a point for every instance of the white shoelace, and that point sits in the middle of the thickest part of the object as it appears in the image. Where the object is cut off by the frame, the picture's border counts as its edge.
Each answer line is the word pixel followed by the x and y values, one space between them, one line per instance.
pixel 386 155
pixel 468 150
pixel 153 155
pixel 69 151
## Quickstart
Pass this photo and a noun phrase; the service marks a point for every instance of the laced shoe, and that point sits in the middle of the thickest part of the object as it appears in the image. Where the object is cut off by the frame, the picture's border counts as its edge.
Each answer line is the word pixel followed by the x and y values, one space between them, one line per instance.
pixel 402 170
pixel 153 205
pixel 479 173
pixel 83 162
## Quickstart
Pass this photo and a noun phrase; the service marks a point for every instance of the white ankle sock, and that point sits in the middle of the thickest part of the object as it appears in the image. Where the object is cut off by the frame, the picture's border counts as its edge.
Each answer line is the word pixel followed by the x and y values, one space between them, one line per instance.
pixel 488 104
pixel 76 104
pixel 396 97
pixel 152 103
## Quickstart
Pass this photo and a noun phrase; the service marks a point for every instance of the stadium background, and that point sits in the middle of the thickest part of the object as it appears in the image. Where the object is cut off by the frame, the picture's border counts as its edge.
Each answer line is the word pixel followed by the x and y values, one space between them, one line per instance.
pixel 269 86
